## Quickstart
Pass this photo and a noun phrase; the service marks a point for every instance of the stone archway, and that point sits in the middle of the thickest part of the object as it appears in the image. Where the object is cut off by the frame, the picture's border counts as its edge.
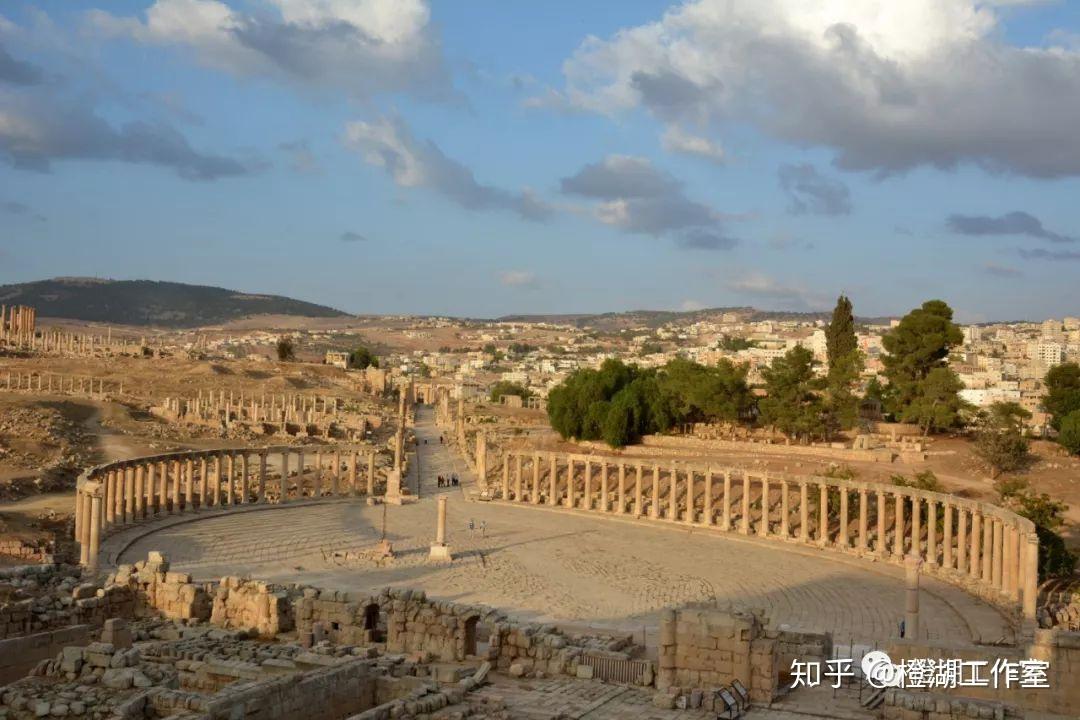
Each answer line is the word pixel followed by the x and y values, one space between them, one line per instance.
pixel 470 635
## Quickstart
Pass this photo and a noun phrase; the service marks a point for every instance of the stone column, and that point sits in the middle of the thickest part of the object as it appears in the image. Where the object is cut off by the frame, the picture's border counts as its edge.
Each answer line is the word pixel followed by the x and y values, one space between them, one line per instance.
pixel 481 458
pixel 707 509
pixel 316 491
pixel 163 487
pixel 371 474
pixel 587 500
pixel 175 485
pixel 961 540
pixel 517 478
pixel 571 488
pixel 604 487
pixel 439 550
pixel 110 498
pixel 553 479
pixel 78 491
pixel 912 567
pixel 262 474
pixel 899 527
pixel 335 476
pixel 763 526
pixel 189 471
pixel 988 554
pixel 673 495
pixel 691 498
pixel 882 531
pixel 283 486
pixel 931 531
pixel 744 522
pixel 83 534
pixel 1031 575
pixel 823 514
pixel 947 537
pixel 95 531
pixel 622 488
pixel 129 495
pixel 804 511
pixel 916 526
pixel 655 507
pixel 864 519
pixel 140 493
pixel 534 492
pixel 1008 565
pixel 354 476
pixel 844 508
pixel 996 562
pixel 244 474
pixel 975 556
pixel 506 476
pixel 725 514
pixel 230 477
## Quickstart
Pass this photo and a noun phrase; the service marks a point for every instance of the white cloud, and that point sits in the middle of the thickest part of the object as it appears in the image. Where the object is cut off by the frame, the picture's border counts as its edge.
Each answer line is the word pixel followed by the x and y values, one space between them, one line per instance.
pixel 360 46
pixel 519 279
pixel 677 140
pixel 691 305
pixel 887 85
pixel 388 143
pixel 758 286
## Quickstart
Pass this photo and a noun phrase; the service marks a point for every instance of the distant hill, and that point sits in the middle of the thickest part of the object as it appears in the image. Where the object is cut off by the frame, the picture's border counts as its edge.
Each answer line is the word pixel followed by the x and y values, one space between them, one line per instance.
pixel 615 321
pixel 147 302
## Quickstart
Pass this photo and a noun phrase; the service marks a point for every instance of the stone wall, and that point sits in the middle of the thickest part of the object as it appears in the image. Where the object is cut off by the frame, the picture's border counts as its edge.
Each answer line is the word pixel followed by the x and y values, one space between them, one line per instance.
pixel 18 655
pixel 709 648
pixel 1061 649
pixel 901 705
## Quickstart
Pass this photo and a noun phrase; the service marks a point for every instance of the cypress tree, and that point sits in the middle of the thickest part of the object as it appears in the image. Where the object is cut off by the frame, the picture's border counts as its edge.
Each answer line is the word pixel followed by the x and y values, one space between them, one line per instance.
pixel 840 335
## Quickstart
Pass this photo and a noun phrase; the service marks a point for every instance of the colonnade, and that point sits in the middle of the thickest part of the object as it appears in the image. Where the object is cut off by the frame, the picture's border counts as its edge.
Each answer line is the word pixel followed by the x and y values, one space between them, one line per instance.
pixel 985 548
pixel 57 383
pixel 119 494
pixel 17 324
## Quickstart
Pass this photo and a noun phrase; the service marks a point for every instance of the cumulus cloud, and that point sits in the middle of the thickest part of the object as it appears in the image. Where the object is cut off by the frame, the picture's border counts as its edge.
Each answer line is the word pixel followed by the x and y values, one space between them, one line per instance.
pixel 351 237
pixel 518 279
pixel 1014 223
pixel 677 140
pixel 810 192
pixel 765 288
pixel 888 86
pixel 39 128
pixel 360 46
pixel 13 207
pixel 18 72
pixel 1044 254
pixel 636 197
pixel 388 143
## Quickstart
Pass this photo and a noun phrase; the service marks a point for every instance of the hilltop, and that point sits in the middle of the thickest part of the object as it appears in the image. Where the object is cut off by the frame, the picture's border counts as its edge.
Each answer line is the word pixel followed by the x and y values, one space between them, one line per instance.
pixel 150 302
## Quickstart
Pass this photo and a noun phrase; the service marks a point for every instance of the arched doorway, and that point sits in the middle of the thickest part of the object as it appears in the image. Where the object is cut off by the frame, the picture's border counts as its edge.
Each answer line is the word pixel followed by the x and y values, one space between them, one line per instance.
pixel 470 635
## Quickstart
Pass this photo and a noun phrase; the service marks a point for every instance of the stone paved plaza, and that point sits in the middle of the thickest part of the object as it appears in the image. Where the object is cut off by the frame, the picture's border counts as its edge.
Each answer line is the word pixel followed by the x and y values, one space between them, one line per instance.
pixel 553 565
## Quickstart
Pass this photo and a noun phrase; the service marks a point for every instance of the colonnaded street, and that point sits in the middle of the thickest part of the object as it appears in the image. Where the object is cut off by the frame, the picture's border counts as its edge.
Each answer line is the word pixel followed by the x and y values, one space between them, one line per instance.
pixel 552 564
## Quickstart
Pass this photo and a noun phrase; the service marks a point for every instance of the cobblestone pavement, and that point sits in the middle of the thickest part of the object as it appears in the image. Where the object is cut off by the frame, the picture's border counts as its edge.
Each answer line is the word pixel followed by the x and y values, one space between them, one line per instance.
pixel 554 565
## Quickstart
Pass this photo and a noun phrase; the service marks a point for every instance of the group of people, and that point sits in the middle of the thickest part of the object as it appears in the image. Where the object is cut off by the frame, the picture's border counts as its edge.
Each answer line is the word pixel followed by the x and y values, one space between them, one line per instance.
pixel 450 481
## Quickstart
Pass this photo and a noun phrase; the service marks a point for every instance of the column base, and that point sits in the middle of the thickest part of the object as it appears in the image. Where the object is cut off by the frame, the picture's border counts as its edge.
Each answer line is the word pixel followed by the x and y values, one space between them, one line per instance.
pixel 440 553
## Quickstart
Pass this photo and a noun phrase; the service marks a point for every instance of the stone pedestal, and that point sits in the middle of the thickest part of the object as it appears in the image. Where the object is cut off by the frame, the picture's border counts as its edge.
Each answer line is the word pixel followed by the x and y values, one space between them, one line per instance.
pixel 394 494
pixel 440 551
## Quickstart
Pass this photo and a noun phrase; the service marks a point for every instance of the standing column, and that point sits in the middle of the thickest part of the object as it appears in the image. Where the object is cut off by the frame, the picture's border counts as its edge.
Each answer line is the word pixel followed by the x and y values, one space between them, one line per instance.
pixel 691 501
pixel 931 531
pixel 262 474
pixel 354 477
pixel 763 528
pixel 140 493
pixel 912 566
pixel 823 514
pixel 638 491
pixel 916 526
pixel 587 500
pixel 163 487
pixel 947 537
pixel 78 491
pixel 553 479
pixel 230 475
pixel 371 474
pixel 317 483
pixel 654 508
pixel 534 492
pixel 571 485
pixel 82 533
pixel 283 488
pixel 517 478
pixel 1031 574
pixel 844 507
pixel 506 476
pixel 204 481
pixel 189 489
pixel 744 523
pixel 975 556
pixel 988 550
pixel 175 485
pixel 899 528
pixel 110 497
pixel 1008 565
pixel 725 515
pixel 334 476
pixel 804 511
pixel 996 562
pixel 864 519
pixel 673 495
pixel 707 510
pixel 95 531
pixel 622 488
pixel 244 474
pixel 603 486
pixel 961 540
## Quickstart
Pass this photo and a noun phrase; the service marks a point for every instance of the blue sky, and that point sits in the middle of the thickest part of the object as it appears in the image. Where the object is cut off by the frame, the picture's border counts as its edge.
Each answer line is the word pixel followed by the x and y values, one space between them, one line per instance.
pixel 486 158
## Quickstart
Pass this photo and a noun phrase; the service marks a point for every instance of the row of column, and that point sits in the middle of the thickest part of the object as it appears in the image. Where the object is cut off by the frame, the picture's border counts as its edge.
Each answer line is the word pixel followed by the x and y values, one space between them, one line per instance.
pixel 133 490
pixel 992 547
pixel 17 324
pixel 49 382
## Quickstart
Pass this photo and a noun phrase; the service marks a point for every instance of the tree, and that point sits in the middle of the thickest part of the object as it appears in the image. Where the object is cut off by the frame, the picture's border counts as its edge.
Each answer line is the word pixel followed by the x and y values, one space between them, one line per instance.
pixel 732 343
pixel 1062 392
pixel 794 405
pixel 506 387
pixel 921 387
pixel 362 357
pixel 1000 440
pixel 936 404
pixel 1069 432
pixel 840 340
pixel 285 350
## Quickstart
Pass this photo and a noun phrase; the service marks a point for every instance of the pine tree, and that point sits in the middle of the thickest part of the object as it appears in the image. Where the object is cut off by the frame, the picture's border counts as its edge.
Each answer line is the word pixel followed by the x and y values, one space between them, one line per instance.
pixel 840 335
